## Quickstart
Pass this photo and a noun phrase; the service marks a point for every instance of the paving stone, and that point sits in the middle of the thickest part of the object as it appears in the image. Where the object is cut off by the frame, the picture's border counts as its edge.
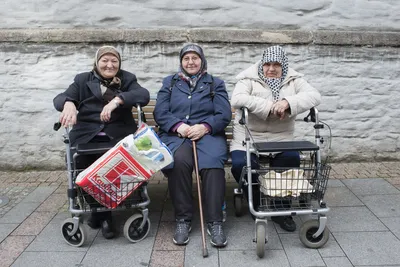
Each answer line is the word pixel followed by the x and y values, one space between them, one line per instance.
pixel 12 247
pixel 383 205
pixel 164 237
pixel 352 219
pixel 40 259
pixel 361 187
pixel 341 196
pixel 40 194
pixel 370 248
pixel 335 183
pixel 62 189
pixel 6 229
pixel 34 224
pixel 194 253
pixel 53 203
pixel 51 239
pixel 118 252
pixel 19 213
pixel 240 236
pixel 60 217
pixel 15 195
pixel 331 248
pixel 299 255
pixel 393 223
pixel 338 262
pixel 167 258
pixel 276 258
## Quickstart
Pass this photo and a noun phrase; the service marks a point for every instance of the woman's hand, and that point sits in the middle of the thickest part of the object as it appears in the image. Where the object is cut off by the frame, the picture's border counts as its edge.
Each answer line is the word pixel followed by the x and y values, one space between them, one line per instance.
pixel 279 108
pixel 182 130
pixel 68 115
pixel 197 131
pixel 105 114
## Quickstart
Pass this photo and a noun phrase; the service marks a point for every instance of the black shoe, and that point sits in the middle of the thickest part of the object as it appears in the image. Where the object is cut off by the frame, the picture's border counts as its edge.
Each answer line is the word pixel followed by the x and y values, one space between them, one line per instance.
pixel 218 238
pixel 181 236
pixel 106 229
pixel 94 222
pixel 285 222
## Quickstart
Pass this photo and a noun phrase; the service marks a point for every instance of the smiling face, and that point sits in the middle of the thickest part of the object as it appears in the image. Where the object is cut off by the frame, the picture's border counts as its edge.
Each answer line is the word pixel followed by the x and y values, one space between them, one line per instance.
pixel 272 70
pixel 108 66
pixel 191 63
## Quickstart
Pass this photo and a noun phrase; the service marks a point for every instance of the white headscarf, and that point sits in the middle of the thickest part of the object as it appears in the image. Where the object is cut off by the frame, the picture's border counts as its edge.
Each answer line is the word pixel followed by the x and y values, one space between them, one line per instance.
pixel 274 54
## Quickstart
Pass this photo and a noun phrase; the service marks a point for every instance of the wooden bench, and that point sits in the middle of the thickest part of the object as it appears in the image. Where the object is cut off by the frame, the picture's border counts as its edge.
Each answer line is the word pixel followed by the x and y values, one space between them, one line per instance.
pixel 148 114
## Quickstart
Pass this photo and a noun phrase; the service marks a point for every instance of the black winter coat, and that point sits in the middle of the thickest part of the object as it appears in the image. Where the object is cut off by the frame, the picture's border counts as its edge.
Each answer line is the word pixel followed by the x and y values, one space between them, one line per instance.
pixel 85 93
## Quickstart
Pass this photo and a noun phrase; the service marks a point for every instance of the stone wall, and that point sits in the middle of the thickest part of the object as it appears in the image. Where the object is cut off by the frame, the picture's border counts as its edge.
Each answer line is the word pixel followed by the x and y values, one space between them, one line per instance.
pixel 349 50
pixel 244 14
pixel 359 87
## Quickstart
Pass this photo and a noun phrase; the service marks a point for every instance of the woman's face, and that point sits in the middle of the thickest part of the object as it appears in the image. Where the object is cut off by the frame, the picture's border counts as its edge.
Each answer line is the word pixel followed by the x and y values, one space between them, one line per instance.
pixel 108 66
pixel 272 70
pixel 191 63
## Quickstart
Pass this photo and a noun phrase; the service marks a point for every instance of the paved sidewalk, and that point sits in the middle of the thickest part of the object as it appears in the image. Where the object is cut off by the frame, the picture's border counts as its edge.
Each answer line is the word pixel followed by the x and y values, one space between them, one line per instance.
pixel 364 225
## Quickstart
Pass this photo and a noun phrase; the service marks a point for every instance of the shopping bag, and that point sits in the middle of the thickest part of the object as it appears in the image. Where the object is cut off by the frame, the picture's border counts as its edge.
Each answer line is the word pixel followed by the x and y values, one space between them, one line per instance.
pixel 122 169
pixel 288 183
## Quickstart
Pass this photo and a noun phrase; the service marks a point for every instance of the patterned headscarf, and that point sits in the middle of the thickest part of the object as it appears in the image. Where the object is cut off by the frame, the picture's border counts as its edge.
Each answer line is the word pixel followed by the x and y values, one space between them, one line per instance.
pixel 114 82
pixel 192 80
pixel 274 54
pixel 112 85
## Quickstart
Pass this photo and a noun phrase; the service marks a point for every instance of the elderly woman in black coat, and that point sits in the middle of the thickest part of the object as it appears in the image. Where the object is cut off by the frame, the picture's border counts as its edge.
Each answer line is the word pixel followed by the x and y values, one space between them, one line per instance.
pixel 98 104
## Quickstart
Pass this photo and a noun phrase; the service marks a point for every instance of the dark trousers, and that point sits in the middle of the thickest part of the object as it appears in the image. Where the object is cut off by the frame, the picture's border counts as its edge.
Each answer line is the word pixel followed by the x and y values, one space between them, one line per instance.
pixel 284 160
pixel 180 186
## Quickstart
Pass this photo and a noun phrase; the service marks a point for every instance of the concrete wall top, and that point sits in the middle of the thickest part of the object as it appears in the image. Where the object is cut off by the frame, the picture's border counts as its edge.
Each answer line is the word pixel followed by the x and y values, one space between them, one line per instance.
pixel 244 14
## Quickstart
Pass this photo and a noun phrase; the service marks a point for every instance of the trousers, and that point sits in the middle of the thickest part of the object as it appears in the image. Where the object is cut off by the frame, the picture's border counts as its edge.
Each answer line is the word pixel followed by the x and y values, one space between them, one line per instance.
pixel 180 187
pixel 285 160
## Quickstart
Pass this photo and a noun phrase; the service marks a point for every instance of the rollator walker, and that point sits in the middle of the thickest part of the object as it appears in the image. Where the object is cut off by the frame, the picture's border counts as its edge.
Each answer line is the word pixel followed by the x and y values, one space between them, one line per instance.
pixel 286 191
pixel 136 228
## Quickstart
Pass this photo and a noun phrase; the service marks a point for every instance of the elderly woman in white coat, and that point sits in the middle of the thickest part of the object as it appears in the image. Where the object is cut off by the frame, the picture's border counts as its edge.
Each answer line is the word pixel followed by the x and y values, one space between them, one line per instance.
pixel 274 94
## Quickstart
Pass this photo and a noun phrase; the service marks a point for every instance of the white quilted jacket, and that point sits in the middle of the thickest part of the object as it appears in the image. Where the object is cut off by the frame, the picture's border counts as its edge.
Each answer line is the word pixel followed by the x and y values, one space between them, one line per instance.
pixel 251 92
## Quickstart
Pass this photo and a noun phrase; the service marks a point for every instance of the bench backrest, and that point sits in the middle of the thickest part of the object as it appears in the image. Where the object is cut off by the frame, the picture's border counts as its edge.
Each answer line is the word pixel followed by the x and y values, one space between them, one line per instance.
pixel 148 112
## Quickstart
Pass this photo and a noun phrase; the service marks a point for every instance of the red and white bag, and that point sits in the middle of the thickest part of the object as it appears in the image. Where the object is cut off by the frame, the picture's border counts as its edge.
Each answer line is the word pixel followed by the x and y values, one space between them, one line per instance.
pixel 122 169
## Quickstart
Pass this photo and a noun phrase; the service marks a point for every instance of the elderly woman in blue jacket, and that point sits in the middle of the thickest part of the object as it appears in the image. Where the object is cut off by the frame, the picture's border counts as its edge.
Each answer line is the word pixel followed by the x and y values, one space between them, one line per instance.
pixel 191 106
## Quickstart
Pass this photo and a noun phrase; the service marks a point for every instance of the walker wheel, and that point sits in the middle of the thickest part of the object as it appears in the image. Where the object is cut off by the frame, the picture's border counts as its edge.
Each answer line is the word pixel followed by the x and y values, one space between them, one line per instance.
pixel 132 231
pixel 238 205
pixel 76 239
pixel 306 232
pixel 261 240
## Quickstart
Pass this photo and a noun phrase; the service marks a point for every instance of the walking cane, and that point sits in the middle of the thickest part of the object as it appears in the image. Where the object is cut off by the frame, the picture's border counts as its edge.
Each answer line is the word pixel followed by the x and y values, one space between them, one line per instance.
pixel 203 235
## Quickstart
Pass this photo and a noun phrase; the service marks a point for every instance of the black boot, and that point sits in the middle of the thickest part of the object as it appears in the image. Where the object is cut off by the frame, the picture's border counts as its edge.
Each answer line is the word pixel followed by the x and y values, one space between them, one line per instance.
pixel 107 229
pixel 94 220
pixel 285 222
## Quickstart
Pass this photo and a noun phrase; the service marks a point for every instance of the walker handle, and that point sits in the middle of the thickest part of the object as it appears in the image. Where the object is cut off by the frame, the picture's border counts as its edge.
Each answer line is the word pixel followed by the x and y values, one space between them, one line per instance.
pixel 311 114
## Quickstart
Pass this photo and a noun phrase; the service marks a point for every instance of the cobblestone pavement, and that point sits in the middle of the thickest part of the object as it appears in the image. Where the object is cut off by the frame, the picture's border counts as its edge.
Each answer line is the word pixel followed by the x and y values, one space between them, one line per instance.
pixel 18 232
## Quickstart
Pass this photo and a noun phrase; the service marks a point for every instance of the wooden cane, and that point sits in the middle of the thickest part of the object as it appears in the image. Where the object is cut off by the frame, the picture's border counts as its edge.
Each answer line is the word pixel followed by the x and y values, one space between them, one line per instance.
pixel 203 235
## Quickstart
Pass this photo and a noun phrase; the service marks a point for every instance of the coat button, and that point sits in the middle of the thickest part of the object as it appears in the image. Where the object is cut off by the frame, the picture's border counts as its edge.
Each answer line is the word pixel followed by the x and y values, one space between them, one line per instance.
pixel 187 117
pixel 190 97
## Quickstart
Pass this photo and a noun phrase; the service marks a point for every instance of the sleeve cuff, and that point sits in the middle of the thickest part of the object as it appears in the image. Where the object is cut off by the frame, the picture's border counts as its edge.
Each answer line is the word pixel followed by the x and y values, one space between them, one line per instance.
pixel 207 126
pixel 176 126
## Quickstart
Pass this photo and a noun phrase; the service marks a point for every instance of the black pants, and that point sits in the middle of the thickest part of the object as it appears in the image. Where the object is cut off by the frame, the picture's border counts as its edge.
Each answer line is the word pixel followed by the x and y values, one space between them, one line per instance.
pixel 284 160
pixel 180 186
